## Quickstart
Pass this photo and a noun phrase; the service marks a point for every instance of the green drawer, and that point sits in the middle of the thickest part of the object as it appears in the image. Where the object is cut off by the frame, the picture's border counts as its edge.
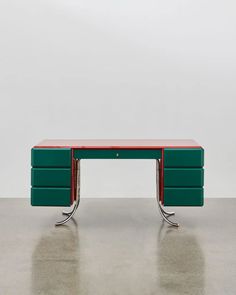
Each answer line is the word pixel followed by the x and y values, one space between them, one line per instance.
pixel 183 177
pixel 117 154
pixel 183 157
pixel 51 157
pixel 49 177
pixel 183 196
pixel 50 196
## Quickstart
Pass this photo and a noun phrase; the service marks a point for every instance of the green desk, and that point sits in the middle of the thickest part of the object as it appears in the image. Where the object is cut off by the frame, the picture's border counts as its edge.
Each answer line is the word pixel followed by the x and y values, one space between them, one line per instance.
pixel 55 172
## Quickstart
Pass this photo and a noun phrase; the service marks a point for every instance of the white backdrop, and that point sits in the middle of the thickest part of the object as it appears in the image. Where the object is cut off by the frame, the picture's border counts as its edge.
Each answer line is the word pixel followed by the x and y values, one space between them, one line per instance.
pixel 117 69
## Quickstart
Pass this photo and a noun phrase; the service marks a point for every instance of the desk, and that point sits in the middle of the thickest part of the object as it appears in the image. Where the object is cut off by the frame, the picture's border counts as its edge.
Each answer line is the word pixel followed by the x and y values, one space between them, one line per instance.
pixel 55 172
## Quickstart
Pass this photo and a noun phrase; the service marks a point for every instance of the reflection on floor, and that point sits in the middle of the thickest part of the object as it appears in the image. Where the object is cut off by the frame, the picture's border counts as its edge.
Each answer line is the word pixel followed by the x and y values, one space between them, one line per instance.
pixel 55 262
pixel 117 246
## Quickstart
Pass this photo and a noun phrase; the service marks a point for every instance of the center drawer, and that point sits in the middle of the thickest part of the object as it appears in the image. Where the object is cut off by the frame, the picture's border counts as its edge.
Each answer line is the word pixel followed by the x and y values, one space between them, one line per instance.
pixel 117 154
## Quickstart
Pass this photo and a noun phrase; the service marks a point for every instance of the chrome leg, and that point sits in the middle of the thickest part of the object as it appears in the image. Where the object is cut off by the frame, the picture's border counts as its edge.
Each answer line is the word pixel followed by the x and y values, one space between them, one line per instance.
pixel 165 217
pixel 166 213
pixel 163 213
pixel 77 180
pixel 67 213
pixel 71 213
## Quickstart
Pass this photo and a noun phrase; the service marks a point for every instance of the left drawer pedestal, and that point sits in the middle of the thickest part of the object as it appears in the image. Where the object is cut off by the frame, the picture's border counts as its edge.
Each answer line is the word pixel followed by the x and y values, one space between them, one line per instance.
pixel 51 176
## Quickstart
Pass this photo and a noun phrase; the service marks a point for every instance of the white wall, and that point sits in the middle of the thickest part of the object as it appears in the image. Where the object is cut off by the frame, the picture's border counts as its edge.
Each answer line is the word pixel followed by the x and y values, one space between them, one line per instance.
pixel 117 69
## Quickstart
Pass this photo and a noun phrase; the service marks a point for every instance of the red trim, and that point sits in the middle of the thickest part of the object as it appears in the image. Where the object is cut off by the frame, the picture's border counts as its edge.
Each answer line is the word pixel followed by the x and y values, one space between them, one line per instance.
pixel 118 147
pixel 118 144
pixel 72 177
pixel 162 177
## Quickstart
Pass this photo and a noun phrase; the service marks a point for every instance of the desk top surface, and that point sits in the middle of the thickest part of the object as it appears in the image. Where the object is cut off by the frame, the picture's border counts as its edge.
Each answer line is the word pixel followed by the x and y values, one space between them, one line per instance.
pixel 117 143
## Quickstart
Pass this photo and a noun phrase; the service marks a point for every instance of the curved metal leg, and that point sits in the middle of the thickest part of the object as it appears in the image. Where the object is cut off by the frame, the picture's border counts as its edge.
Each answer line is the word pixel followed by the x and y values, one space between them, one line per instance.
pixel 166 217
pixel 163 213
pixel 167 213
pixel 77 177
pixel 68 217
pixel 71 213
pixel 67 212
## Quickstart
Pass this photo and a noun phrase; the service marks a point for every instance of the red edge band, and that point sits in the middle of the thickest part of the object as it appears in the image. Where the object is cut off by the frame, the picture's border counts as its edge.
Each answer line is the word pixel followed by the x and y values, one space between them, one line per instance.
pixel 72 177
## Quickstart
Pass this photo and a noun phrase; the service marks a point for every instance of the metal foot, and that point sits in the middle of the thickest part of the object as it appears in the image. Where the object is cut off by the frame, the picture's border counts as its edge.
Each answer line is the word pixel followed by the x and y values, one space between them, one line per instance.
pixel 67 213
pixel 69 216
pixel 165 217
pixel 71 213
pixel 164 214
pixel 167 213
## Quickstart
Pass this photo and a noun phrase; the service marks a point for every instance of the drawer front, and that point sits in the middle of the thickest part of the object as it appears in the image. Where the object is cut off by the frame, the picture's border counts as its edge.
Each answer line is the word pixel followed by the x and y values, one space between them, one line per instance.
pixel 51 177
pixel 50 196
pixel 183 177
pixel 183 196
pixel 117 154
pixel 183 157
pixel 51 157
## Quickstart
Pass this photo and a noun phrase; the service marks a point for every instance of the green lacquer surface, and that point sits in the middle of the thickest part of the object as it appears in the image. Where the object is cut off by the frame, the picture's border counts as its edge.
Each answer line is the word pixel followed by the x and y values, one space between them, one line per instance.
pixel 51 157
pixel 50 196
pixel 117 154
pixel 183 196
pixel 51 177
pixel 183 157
pixel 183 177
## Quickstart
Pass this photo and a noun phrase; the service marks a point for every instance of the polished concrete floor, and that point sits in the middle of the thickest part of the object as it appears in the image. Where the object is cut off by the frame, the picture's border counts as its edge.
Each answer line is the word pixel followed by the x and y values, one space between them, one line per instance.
pixel 117 246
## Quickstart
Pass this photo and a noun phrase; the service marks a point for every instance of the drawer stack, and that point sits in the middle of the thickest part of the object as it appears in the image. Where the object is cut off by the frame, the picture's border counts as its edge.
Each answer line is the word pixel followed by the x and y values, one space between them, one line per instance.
pixel 51 177
pixel 183 176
